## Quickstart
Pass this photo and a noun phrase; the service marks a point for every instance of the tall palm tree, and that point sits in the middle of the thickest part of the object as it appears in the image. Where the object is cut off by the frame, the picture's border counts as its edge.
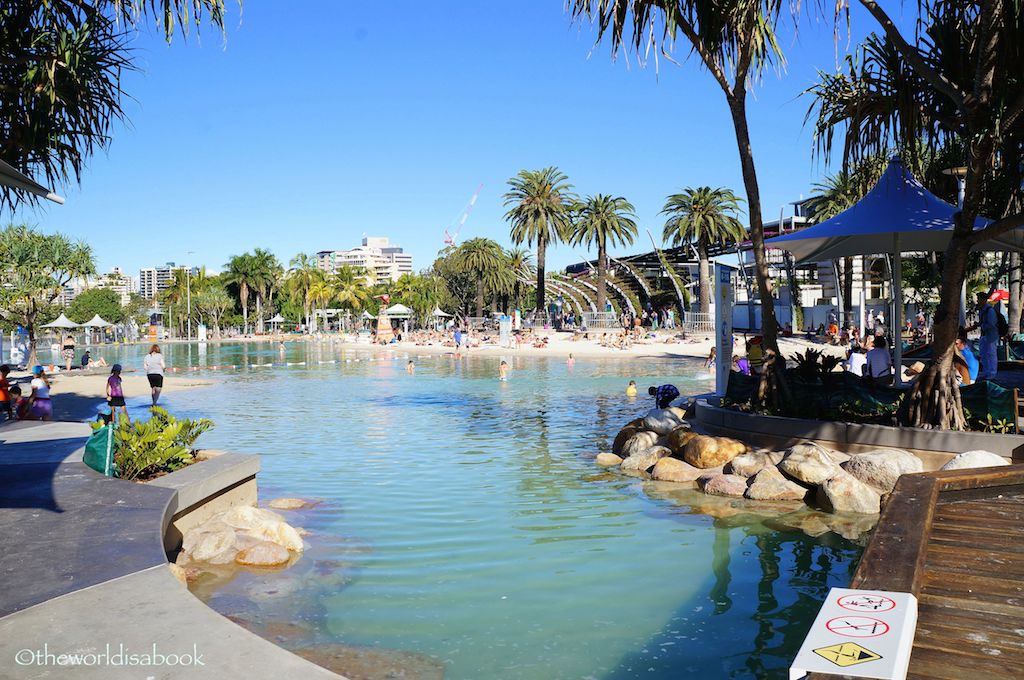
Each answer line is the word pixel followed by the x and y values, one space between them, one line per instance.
pixel 486 262
pixel 266 273
pixel 703 216
pixel 241 271
pixel 522 269
pixel 539 203
pixel 603 220
pixel 320 293
pixel 301 278
pixel 350 288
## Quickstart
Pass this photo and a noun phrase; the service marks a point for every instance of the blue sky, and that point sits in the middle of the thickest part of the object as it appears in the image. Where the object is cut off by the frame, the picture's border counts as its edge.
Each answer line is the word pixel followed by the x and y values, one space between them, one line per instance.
pixel 315 122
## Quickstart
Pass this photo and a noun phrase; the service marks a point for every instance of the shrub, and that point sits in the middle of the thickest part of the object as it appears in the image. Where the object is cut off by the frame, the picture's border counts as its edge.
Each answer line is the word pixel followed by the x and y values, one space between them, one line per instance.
pixel 160 444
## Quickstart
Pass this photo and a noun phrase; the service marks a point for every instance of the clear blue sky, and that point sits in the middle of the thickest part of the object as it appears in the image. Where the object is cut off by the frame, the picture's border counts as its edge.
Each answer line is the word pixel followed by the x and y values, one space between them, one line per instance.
pixel 315 122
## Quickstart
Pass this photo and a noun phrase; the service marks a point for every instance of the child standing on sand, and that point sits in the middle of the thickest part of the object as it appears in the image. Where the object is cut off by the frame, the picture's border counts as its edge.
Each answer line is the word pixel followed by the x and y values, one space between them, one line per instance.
pixel 115 392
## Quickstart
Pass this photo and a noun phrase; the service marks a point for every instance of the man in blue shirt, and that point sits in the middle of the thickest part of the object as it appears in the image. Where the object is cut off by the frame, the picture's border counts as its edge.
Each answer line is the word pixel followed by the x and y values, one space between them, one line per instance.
pixel 964 350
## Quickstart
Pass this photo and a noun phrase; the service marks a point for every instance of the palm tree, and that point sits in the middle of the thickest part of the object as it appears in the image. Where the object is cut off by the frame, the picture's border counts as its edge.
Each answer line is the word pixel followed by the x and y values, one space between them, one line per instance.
pixel 301 278
pixel 486 262
pixel 266 273
pixel 702 216
pixel 603 220
pixel 522 269
pixel 539 204
pixel 735 42
pixel 241 271
pixel 350 289
pixel 320 293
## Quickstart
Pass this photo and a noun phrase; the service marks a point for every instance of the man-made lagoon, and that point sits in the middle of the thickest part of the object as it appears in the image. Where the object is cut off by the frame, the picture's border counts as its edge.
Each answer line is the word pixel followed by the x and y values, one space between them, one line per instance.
pixel 462 518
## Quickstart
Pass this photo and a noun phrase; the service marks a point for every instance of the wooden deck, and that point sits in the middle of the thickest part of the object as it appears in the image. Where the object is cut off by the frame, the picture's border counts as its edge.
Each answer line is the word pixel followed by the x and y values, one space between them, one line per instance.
pixel 956 540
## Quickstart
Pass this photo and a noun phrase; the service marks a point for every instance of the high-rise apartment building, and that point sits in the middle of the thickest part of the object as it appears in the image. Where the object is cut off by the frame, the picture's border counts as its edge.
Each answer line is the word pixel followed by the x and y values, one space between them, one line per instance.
pixel 383 261
pixel 117 281
pixel 155 280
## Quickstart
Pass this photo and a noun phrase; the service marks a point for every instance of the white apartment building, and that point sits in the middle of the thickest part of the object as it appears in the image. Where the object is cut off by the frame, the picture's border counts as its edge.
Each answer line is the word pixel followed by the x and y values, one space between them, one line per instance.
pixel 155 280
pixel 117 281
pixel 376 255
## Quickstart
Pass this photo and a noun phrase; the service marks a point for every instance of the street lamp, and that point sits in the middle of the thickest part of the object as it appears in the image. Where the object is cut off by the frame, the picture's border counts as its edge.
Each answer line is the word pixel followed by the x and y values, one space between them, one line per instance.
pixel 188 294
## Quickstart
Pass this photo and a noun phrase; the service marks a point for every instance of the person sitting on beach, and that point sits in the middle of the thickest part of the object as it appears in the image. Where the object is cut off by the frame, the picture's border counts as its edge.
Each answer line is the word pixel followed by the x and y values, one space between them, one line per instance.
pixel 20 404
pixel 6 403
pixel 115 391
pixel 88 361
pixel 39 405
pixel 878 364
pixel 631 389
pixel 856 361
pixel 663 395
pixel 971 366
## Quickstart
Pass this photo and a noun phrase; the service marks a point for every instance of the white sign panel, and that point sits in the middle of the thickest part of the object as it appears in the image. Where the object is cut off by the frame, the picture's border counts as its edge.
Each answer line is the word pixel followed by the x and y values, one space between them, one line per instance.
pixel 724 299
pixel 861 634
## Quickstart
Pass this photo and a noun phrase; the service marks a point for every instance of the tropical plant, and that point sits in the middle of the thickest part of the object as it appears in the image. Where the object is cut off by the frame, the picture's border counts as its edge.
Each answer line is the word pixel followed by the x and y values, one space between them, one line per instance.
pixel 62 66
pixel 350 288
pixel 485 261
pixel 266 274
pixel 539 206
pixel 102 301
pixel 735 41
pixel 703 216
pixel 603 221
pixel 241 272
pixel 213 302
pixel 300 280
pixel 953 85
pixel 161 444
pixel 522 270
pixel 34 268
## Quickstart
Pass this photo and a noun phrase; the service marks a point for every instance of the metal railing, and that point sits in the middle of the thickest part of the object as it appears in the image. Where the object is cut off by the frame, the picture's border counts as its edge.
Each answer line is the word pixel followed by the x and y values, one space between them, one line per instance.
pixel 594 320
pixel 695 322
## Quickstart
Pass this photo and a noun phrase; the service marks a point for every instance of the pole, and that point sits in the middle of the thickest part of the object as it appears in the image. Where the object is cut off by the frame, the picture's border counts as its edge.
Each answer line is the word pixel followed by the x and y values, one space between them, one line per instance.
pixel 188 289
pixel 897 316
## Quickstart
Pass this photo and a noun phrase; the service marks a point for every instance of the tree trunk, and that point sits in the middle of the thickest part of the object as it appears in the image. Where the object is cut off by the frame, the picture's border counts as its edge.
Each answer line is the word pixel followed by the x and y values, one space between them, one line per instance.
pixel 243 296
pixel 479 297
pixel 1014 305
pixel 30 356
pixel 541 247
pixel 769 326
pixel 847 288
pixel 602 276
pixel 259 312
pixel 705 276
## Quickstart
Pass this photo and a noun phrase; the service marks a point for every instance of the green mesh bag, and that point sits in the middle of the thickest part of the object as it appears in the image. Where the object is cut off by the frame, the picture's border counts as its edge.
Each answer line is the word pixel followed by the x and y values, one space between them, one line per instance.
pixel 99 451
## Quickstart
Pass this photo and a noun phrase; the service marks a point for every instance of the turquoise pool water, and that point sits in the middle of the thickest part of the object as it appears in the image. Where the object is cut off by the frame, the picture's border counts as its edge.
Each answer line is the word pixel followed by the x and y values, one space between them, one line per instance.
pixel 462 518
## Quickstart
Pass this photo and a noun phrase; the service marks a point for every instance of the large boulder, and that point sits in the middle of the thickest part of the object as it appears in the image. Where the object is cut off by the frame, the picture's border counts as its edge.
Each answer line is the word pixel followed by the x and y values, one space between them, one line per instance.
pixel 750 463
pixel 607 459
pixel 846 493
pixel 770 485
pixel 675 470
pixel 662 420
pixel 974 459
pixel 645 459
pixel 708 452
pixel 638 443
pixel 880 469
pixel 263 525
pixel 263 554
pixel 809 463
pixel 678 438
pixel 723 485
pixel 625 434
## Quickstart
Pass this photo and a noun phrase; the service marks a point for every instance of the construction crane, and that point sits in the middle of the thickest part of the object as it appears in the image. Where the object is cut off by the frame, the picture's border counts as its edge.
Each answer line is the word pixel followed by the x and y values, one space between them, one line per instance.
pixel 449 238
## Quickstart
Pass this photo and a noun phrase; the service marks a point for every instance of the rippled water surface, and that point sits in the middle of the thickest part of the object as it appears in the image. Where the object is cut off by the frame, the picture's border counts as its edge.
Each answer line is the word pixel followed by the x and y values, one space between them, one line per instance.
pixel 462 519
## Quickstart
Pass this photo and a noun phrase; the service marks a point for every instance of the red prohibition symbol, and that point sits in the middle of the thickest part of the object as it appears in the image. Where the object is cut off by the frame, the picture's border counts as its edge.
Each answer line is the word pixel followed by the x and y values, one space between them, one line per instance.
pixel 866 603
pixel 857 626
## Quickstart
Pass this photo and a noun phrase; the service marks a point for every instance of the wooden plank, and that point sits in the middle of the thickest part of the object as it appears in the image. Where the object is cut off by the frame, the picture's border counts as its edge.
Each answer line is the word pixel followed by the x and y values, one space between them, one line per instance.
pixel 973 478
pixel 975 561
pixel 972 588
pixel 950 533
pixel 989 615
pixel 928 663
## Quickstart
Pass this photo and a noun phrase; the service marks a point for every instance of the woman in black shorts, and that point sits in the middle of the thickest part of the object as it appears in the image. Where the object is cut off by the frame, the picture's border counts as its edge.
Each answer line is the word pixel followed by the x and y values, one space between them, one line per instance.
pixel 153 364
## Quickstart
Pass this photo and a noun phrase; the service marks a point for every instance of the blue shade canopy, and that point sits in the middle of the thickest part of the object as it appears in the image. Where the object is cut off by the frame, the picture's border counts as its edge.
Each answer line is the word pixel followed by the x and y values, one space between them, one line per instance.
pixel 898 205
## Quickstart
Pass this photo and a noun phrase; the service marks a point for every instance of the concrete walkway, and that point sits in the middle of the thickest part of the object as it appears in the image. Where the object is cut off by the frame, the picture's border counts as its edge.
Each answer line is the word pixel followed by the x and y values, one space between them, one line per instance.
pixel 84 573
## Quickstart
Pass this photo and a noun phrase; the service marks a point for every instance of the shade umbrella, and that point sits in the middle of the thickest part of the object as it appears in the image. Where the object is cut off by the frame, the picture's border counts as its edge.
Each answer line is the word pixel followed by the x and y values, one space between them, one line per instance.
pixel 898 215
pixel 439 313
pixel 97 322
pixel 12 177
pixel 398 310
pixel 277 319
pixel 61 322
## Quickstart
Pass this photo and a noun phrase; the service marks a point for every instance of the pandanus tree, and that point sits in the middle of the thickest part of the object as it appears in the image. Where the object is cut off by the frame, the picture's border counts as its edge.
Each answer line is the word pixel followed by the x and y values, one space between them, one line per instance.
pixel 703 216
pixel 735 41
pixel 601 221
pixel 956 82
pixel 539 206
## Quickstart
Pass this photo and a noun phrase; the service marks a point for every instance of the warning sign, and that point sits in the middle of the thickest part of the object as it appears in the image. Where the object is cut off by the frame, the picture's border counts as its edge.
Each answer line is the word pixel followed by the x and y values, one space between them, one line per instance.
pixel 857 626
pixel 866 603
pixel 847 654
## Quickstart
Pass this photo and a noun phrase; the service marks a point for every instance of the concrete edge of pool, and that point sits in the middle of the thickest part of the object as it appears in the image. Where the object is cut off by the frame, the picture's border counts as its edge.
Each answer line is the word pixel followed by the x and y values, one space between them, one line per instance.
pixel 85 571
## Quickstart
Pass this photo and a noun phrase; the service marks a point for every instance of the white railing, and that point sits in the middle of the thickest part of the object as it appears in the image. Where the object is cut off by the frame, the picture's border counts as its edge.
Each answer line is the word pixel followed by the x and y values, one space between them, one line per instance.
pixel 695 322
pixel 594 320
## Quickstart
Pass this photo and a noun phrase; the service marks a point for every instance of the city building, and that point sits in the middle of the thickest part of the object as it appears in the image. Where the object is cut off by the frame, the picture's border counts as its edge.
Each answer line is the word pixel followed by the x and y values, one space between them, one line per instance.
pixel 383 261
pixel 155 280
pixel 117 281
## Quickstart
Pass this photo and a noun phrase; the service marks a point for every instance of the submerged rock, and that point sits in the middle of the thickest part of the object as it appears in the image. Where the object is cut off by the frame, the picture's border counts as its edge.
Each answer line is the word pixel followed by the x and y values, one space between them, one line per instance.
pixel 288 503
pixel 880 469
pixel 846 493
pixel 645 459
pixel 708 452
pixel 675 470
pixel 723 485
pixel 809 463
pixel 662 420
pixel 770 485
pixel 607 459
pixel 263 554
pixel 373 663
pixel 974 459
pixel 216 546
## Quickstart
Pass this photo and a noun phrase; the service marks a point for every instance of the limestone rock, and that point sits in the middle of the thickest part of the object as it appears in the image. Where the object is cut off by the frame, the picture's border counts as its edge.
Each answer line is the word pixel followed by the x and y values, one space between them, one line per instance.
pixel 263 554
pixel 638 443
pixel 769 485
pixel 246 516
pixel 216 547
pixel 680 412
pixel 645 459
pixel 749 464
pixel 880 469
pixel 974 459
pixel 662 420
pixel 846 493
pixel 723 485
pixel 675 470
pixel 607 459
pixel 625 434
pixel 179 573
pixel 708 452
pixel 288 503
pixel 809 463
pixel 678 438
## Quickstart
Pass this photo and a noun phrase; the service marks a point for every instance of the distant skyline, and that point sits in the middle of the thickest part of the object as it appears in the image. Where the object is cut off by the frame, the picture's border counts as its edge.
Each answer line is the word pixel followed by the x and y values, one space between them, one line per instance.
pixel 303 131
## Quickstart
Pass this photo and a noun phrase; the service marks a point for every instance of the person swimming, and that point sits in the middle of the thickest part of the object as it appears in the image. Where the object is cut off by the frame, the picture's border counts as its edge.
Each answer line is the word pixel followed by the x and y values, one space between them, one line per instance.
pixel 410 367
pixel 570 362
pixel 631 389
pixel 503 371
pixel 663 395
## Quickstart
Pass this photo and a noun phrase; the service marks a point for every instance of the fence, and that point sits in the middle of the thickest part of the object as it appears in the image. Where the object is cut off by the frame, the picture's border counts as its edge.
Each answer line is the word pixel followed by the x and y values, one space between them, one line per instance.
pixel 594 320
pixel 695 322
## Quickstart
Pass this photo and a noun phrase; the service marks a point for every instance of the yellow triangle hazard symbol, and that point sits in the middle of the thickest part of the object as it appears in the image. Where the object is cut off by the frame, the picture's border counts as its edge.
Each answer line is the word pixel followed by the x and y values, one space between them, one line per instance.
pixel 846 654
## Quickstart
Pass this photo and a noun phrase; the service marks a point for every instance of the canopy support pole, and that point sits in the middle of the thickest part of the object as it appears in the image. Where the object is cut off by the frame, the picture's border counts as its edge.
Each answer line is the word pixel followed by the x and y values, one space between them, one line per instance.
pixel 897 312
pixel 839 295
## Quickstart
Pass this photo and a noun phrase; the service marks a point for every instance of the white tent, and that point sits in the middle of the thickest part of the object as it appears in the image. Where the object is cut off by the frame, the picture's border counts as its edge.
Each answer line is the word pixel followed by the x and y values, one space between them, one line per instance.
pixel 61 322
pixel 367 315
pixel 439 313
pixel 398 311
pixel 11 177
pixel 97 322
pixel 277 319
